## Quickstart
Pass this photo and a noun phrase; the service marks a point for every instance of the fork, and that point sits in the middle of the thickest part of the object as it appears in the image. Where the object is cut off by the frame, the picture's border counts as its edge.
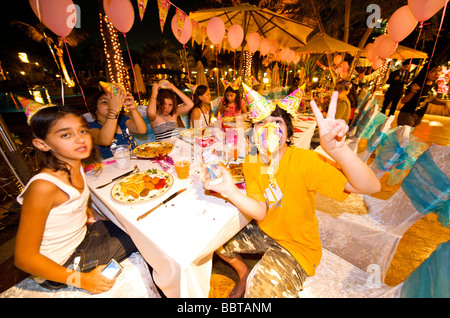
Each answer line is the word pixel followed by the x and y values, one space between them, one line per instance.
pixel 135 169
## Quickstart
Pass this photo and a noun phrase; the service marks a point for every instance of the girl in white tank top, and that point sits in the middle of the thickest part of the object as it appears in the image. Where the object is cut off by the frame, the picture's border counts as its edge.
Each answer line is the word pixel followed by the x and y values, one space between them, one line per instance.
pixel 55 201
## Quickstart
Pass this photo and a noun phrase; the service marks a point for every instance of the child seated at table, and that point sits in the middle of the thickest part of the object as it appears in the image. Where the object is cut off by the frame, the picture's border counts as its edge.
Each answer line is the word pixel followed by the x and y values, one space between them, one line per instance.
pixel 163 110
pixel 231 104
pixel 58 240
pixel 281 182
pixel 343 108
pixel 201 113
pixel 111 126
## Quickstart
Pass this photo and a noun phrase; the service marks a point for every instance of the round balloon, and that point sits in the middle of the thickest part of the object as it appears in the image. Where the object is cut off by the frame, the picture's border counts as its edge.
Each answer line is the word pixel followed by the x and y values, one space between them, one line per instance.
pixel 290 56
pixel 425 9
pixel 377 63
pixel 401 23
pixel 297 58
pixel 215 30
pixel 384 47
pixel 337 59
pixel 235 36
pixel 370 52
pixel 274 47
pixel 57 15
pixel 284 53
pixel 253 40
pixel 264 46
pixel 185 32
pixel 120 13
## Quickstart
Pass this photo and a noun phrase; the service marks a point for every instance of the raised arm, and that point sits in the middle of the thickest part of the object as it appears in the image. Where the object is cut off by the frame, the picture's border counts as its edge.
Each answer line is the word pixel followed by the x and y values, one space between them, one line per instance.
pixel 361 179
pixel 136 124
pixel 151 108
pixel 105 135
pixel 187 102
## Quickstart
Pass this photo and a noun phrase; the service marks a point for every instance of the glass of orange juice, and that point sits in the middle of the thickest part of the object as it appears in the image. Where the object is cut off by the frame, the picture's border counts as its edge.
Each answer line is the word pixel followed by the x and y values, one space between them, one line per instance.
pixel 182 167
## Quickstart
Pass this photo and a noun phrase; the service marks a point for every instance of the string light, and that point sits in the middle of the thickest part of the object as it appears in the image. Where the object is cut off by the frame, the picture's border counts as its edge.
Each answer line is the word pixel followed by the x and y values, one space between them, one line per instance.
pixel 113 52
pixel 248 57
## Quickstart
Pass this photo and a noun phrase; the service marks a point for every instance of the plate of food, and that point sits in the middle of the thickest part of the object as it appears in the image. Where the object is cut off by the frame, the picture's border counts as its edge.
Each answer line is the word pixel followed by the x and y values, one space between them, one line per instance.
pixel 236 172
pixel 142 186
pixel 191 134
pixel 152 149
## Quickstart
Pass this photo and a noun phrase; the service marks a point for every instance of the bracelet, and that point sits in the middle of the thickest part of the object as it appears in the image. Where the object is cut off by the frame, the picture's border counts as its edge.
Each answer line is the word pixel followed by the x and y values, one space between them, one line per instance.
pixel 112 114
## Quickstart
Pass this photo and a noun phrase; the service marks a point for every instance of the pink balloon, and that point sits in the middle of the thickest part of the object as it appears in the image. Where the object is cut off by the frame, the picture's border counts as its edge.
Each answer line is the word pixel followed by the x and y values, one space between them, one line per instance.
pixel 384 46
pixel 274 47
pixel 345 66
pixel 120 13
pixel 265 46
pixel 401 24
pixel 370 52
pixel 57 15
pixel 337 59
pixel 296 58
pixel 284 53
pixel 235 36
pixel 290 56
pixel 215 30
pixel 425 9
pixel 377 63
pixel 186 32
pixel 344 75
pixel 253 41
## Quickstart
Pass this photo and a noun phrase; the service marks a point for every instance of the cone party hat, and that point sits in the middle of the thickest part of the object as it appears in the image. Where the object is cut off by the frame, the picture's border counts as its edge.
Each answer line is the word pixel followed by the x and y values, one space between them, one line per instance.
pixel 112 87
pixel 259 106
pixel 31 107
pixel 291 103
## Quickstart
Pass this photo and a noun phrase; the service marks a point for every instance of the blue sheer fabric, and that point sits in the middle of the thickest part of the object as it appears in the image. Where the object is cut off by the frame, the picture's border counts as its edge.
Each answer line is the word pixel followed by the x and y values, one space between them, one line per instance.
pixel 371 126
pixel 432 278
pixel 378 138
pixel 388 155
pixel 428 188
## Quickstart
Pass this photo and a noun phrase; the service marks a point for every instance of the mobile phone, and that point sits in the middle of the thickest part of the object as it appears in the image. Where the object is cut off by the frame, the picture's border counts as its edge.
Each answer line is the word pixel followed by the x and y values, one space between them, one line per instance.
pixel 112 269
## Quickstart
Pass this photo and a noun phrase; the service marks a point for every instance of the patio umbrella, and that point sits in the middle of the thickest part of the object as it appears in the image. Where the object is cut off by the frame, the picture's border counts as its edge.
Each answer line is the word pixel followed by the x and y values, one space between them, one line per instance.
pixel 322 43
pixel 404 53
pixel 201 77
pixel 268 24
pixel 139 86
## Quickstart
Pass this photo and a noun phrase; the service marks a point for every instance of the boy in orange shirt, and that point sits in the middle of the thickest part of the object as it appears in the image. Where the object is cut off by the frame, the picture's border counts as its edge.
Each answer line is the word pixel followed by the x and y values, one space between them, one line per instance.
pixel 281 183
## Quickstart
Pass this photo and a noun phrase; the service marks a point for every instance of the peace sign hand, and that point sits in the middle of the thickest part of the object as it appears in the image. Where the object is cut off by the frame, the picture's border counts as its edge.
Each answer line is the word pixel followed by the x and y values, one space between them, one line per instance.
pixel 332 131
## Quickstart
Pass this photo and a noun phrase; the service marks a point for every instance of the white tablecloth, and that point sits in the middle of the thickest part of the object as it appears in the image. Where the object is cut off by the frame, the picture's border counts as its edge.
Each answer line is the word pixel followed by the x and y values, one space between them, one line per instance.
pixel 178 239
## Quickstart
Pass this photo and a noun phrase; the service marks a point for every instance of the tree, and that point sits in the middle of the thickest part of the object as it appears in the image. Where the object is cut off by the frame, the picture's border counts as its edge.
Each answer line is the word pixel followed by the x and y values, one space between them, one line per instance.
pixel 54 43
pixel 159 52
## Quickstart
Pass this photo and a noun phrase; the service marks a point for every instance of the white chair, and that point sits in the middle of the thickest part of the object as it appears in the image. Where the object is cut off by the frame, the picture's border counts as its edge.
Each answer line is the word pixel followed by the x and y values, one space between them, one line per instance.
pixel 388 155
pixel 365 231
pixel 135 281
pixel 337 278
pixel 355 134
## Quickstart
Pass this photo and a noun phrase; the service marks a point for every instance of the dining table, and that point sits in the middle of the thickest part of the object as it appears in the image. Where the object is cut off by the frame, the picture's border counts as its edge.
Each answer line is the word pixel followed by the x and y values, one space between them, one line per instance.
pixel 178 238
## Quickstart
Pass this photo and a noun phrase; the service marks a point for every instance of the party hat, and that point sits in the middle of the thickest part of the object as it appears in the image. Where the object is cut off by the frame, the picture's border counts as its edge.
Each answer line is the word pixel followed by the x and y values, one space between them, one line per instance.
pixel 112 87
pixel 291 103
pixel 30 107
pixel 259 106
pixel 192 87
pixel 234 85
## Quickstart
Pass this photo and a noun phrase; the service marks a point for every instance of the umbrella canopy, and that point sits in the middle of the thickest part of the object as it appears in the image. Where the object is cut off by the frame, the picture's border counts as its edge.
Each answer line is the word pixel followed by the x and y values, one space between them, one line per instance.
pixel 404 53
pixel 268 24
pixel 201 77
pixel 322 43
